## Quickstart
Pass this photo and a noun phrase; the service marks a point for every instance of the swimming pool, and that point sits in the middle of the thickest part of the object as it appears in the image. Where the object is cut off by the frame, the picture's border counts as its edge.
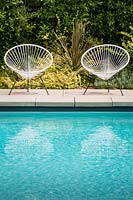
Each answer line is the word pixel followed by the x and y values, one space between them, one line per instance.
pixel 66 156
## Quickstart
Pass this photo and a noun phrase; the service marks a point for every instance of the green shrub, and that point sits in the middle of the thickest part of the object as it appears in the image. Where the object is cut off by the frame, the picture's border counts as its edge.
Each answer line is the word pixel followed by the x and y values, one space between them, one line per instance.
pixel 59 77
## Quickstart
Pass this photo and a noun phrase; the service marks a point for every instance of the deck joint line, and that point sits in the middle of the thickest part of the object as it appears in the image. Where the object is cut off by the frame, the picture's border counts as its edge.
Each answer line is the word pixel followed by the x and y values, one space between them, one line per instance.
pixel 74 102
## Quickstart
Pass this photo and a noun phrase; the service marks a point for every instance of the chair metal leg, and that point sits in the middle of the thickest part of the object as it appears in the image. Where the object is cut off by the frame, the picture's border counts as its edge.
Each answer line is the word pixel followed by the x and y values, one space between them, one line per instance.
pixel 121 92
pixel 120 87
pixel 86 90
pixel 44 85
pixel 12 87
pixel 108 85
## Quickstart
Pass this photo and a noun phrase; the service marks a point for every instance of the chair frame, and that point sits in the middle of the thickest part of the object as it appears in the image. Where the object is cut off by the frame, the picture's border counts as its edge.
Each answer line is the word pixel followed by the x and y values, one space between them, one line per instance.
pixel 39 73
pixel 113 71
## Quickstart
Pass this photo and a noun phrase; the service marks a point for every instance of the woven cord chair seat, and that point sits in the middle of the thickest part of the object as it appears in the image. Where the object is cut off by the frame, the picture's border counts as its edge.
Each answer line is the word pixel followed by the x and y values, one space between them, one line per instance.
pixel 105 60
pixel 28 60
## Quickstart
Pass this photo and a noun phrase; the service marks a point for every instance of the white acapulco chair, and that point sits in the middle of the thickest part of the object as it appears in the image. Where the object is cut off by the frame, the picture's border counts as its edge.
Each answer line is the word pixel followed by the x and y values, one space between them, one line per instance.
pixel 105 61
pixel 29 61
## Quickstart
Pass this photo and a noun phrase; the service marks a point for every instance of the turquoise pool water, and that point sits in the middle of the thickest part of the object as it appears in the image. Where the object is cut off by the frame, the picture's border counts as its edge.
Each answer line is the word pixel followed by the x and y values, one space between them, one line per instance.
pixel 66 156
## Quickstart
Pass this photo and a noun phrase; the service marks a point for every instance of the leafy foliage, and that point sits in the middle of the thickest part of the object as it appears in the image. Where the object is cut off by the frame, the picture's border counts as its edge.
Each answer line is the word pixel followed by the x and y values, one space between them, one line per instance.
pixel 77 24
pixel 70 52
pixel 128 41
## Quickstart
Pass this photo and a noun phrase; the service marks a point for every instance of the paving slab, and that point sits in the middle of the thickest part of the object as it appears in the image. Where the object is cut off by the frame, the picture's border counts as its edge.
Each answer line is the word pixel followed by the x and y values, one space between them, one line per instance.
pixel 116 92
pixel 4 91
pixel 31 92
pixel 93 101
pixel 119 101
pixel 55 101
pixel 95 92
pixel 56 92
pixel 69 97
pixel 102 92
pixel 20 92
pixel 128 92
pixel 73 92
pixel 19 100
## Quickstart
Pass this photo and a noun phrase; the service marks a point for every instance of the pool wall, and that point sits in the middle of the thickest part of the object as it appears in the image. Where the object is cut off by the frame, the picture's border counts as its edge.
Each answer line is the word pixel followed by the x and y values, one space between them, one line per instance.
pixel 62 109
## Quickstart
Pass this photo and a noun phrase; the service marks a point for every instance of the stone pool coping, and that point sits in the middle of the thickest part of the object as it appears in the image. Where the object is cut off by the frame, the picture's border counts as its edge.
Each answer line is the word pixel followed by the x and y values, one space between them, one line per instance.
pixel 66 98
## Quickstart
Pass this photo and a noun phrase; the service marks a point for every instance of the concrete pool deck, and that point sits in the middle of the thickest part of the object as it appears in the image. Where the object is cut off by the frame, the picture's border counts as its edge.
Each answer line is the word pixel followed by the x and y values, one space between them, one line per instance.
pixel 66 98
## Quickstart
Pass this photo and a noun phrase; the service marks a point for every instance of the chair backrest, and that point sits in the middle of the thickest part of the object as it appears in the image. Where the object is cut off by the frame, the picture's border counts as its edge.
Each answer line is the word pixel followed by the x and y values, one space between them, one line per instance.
pixel 105 60
pixel 28 60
